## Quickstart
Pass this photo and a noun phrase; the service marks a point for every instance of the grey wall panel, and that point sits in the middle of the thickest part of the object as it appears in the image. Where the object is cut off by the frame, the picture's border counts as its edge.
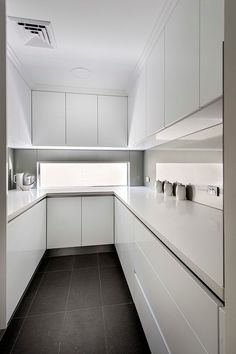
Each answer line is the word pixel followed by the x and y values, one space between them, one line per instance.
pixel 25 160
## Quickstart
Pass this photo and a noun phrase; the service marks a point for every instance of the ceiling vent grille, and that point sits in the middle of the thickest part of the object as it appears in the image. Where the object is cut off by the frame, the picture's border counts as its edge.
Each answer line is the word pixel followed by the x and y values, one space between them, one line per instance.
pixel 35 33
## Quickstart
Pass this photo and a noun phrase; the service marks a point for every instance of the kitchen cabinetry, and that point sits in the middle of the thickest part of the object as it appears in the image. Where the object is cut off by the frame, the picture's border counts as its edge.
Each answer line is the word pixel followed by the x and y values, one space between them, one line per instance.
pixel 137 109
pixel 64 222
pixel 182 61
pixel 211 51
pixel 97 221
pixel 18 109
pixel 61 119
pixel 81 120
pixel 163 290
pixel 155 87
pixel 124 241
pixel 79 221
pixel 26 244
pixel 112 121
pixel 48 118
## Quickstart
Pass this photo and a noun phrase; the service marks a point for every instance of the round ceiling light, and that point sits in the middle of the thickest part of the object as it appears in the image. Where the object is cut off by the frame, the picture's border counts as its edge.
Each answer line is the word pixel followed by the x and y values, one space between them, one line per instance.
pixel 81 73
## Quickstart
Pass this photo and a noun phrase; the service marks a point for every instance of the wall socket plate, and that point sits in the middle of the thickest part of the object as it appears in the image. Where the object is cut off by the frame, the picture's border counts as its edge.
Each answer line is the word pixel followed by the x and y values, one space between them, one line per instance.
pixel 147 179
pixel 213 190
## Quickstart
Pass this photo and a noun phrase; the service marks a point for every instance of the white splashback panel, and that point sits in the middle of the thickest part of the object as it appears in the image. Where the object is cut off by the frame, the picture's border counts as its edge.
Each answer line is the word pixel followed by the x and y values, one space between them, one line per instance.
pixel 199 175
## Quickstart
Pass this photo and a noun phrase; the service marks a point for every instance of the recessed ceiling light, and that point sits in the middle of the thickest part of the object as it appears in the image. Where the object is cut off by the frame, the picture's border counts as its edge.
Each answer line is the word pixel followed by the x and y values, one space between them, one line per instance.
pixel 80 72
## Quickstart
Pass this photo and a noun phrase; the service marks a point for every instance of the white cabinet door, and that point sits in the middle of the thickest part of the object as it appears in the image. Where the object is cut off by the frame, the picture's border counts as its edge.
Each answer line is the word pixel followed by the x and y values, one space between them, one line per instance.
pixel 81 120
pixel 48 118
pixel 124 241
pixel 211 41
pixel 18 109
pixel 112 121
pixel 182 61
pixel 155 87
pixel 97 221
pixel 26 244
pixel 137 110
pixel 63 222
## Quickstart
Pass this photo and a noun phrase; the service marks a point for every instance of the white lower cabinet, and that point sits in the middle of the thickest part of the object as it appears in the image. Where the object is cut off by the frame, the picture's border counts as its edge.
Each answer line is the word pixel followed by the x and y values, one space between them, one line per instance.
pixel 178 313
pixel 64 222
pixel 26 244
pixel 97 221
pixel 79 221
pixel 124 241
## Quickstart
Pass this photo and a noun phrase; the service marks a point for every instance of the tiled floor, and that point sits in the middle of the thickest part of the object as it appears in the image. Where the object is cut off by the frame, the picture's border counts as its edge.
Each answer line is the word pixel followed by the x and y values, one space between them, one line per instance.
pixel 76 304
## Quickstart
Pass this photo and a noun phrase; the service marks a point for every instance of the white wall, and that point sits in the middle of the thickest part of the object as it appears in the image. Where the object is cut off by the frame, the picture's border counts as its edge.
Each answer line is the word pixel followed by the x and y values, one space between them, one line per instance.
pixel 230 174
pixel 3 165
pixel 176 159
pixel 18 108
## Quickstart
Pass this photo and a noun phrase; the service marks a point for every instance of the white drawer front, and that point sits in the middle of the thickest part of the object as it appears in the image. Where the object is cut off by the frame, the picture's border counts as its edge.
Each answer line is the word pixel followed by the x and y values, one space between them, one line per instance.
pixel 151 328
pixel 177 332
pixel 198 306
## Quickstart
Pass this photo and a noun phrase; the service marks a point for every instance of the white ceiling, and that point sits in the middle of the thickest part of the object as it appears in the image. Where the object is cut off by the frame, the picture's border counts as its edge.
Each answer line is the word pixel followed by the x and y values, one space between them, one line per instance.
pixel 105 36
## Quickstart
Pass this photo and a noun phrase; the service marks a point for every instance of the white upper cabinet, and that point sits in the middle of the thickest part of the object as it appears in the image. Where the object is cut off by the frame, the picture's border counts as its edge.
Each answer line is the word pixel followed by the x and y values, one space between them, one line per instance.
pixel 211 39
pixel 137 109
pixel 48 118
pixel 18 109
pixel 155 87
pixel 112 121
pixel 182 61
pixel 81 120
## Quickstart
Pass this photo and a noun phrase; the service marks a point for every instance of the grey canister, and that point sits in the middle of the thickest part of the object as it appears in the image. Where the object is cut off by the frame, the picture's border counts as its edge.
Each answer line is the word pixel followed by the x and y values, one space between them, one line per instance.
pixel 180 192
pixel 168 189
pixel 159 186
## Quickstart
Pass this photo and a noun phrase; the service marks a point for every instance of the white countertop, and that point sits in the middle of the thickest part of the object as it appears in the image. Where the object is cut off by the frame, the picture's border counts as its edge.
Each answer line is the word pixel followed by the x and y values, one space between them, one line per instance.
pixel 192 231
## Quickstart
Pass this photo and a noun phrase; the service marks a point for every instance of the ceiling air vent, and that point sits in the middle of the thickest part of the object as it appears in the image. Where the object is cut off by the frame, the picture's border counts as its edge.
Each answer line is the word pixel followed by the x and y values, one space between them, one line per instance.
pixel 35 33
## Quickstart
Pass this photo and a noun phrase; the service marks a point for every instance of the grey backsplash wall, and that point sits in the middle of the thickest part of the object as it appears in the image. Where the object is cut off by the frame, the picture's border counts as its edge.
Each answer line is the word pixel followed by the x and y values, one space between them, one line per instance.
pixel 25 160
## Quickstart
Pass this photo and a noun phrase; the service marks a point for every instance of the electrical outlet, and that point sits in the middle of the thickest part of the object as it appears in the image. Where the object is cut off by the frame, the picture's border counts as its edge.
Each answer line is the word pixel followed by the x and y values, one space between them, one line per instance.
pixel 147 179
pixel 213 190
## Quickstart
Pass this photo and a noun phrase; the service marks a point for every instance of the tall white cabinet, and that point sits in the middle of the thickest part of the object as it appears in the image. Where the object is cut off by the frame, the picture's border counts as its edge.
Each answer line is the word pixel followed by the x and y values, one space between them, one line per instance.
pixel 48 118
pixel 211 49
pixel 155 87
pixel 81 120
pixel 137 109
pixel 182 61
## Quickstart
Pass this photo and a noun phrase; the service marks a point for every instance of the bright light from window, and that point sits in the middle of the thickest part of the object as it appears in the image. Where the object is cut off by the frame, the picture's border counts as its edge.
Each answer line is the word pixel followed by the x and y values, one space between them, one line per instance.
pixel 53 175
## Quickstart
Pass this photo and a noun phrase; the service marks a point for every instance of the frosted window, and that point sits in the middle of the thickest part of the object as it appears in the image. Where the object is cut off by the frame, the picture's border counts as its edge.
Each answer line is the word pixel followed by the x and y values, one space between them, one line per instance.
pixel 52 175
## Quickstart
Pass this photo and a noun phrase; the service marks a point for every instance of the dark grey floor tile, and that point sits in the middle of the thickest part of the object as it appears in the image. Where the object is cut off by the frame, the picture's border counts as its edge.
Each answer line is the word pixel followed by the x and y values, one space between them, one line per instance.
pixel 29 296
pixel 52 293
pixel 114 287
pixel 83 332
pixel 124 331
pixel 40 334
pixel 43 265
pixel 109 259
pixel 60 263
pixel 86 261
pixel 85 289
pixel 10 336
